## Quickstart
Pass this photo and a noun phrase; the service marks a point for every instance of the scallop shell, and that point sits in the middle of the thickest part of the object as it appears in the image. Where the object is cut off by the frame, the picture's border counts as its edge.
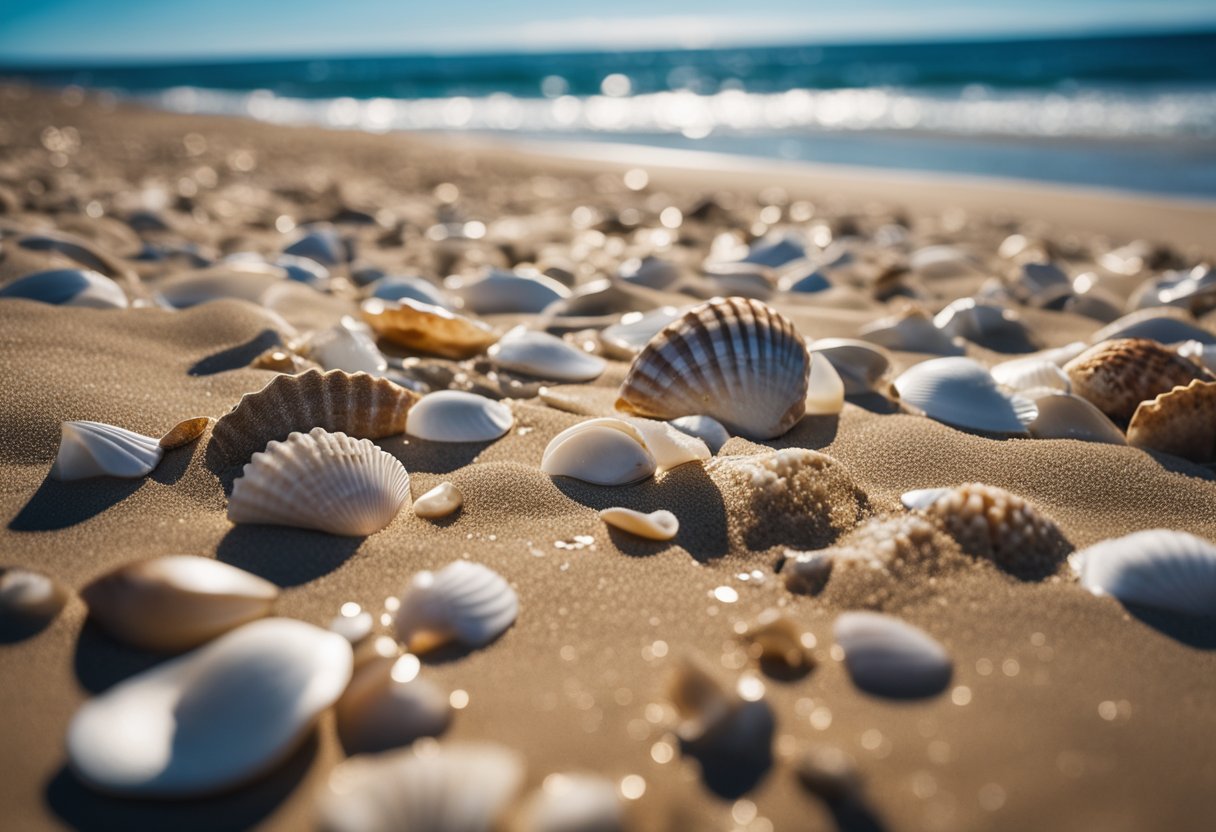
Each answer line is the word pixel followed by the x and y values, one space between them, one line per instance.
pixel 356 404
pixel 348 346
pixel 573 803
pixel 1115 376
pixel 405 287
pixel 1181 422
pixel 1167 570
pixel 888 657
pixel 910 331
pixel 387 706
pixel 463 602
pixel 449 787
pixel 991 523
pixel 1164 325
pixel 965 318
pixel 1024 376
pixel 601 452
pixel 29 598
pixel 961 393
pixel 735 360
pixel 457 416
pixel 777 640
pixel 440 501
pixel 425 328
pixel 184 432
pixel 713 719
pixel 495 292
pixel 1063 416
pixel 213 718
pixel 657 525
pixel 68 287
pixel 634 331
pixel 860 364
pixel 706 428
pixel 544 356
pixel 93 449
pixel 321 480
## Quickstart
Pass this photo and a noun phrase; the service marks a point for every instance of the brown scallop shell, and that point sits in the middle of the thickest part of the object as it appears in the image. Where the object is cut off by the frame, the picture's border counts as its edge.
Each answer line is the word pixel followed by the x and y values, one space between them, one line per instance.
pixel 1117 375
pixel 426 328
pixel 1181 422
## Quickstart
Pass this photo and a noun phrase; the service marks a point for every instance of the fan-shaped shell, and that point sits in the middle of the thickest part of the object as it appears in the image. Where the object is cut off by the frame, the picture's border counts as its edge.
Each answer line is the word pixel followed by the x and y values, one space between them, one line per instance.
pixel 93 449
pixel 407 287
pixel 657 525
pixel 889 657
pixel 735 360
pixel 213 718
pixel 464 602
pixel 321 480
pixel 910 331
pixel 1064 416
pixel 544 356
pixel 426 328
pixel 386 705
pixel 1181 422
pixel 961 393
pixel 496 292
pixel 440 501
pixel 1164 325
pixel 1168 570
pixel 861 365
pixel 348 346
pixel 601 452
pixel 68 287
pixel 634 331
pixel 992 523
pixel 457 416
pixel 356 404
pixel 573 803
pixel 1115 376
pixel 29 598
pixel 706 428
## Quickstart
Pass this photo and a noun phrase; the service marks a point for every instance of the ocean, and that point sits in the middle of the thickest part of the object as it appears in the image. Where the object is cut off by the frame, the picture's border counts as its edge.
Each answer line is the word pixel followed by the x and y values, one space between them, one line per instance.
pixel 1122 112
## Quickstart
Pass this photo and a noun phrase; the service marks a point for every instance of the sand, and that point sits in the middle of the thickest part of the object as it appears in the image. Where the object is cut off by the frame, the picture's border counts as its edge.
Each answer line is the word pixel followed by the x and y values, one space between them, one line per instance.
pixel 1021 739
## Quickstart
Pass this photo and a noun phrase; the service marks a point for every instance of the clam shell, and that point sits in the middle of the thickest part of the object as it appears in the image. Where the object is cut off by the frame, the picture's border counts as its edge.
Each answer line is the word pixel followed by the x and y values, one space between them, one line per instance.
pixel 356 404
pixel 824 388
pixel 886 656
pixel 457 416
pixel 425 328
pixel 910 331
pixel 1115 376
pixel 860 364
pixel 961 393
pixel 321 480
pixel 573 803
pixel 1164 325
pixel 657 525
pixel 406 287
pixel 28 597
pixel 706 428
pixel 440 501
pixel 991 523
pixel 184 432
pixel 965 318
pixel 93 449
pixel 68 287
pixel 463 602
pixel 544 356
pixel 386 705
pixel 496 292
pixel 348 346
pixel 213 718
pixel 1167 570
pixel 176 602
pixel 601 452
pixel 1181 422
pixel 634 331
pixel 735 360
pixel 1063 416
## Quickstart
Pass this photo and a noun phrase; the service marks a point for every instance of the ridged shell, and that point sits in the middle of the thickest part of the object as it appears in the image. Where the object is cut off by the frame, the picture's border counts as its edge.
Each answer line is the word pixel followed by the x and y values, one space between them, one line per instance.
pixel 634 331
pixel 356 404
pixel 544 356
pixel 321 480
pixel 573 803
pixel 496 292
pixel 889 657
pixel 68 287
pixel 406 287
pixel 601 452
pixel 1023 375
pixel 1181 422
pixel 176 602
pixel 348 346
pixel 991 523
pixel 1164 325
pixel 961 393
pixel 965 318
pixel 1115 376
pixel 657 525
pixel 463 602
pixel 861 365
pixel 387 706
pixel 1064 416
pixel 706 428
pixel 440 501
pixel 910 331
pixel 425 328
pixel 457 416
pixel 29 598
pixel 1167 570
pixel 735 360
pixel 93 449
pixel 214 718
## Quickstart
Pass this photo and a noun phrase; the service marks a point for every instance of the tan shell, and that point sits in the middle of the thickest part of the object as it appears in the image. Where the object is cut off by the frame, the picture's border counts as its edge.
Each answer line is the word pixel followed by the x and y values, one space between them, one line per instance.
pixel 282 360
pixel 778 641
pixel 356 404
pixel 386 706
pixel 1181 422
pixel 183 433
pixel 1117 375
pixel 426 328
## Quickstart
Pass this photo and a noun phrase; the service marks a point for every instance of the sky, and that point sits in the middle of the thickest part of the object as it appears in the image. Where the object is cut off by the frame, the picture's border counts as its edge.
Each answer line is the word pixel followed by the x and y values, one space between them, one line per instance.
pixel 85 31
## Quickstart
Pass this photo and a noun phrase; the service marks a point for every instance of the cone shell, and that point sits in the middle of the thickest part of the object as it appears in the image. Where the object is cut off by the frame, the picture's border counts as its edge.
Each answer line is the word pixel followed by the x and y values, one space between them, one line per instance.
pixel 735 360
pixel 94 449
pixel 657 525
pixel 1167 570
pixel 457 416
pixel 357 404
pixel 889 657
pixel 991 523
pixel 463 602
pixel 321 480
pixel 425 328
pixel 386 705
pixel 1181 422
pixel 1115 376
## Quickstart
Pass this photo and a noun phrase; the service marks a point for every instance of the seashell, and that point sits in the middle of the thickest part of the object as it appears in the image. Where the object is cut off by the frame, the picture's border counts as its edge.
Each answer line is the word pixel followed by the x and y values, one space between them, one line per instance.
pixel 1130 259
pixel 299 269
pixel 778 641
pixel 348 346
pixel 496 292
pixel 356 404
pixel 706 428
pixel 420 326
pixel 808 572
pixel 1022 375
pixel 387 706
pixel 715 720
pixel 804 281
pixel 828 772
pixel 93 449
pixel 28 598
pixel 183 433
pixel 991 523
pixel 1063 416
pixel 1202 354
pixel 68 287
pixel 910 331
pixel 1165 325
pixel 635 330
pixel 457 416
pixel 860 364
pixel 669 446
pixel 979 322
pixel 544 356
pixel 942 261
pixel 321 480
pixel 280 360
pixel 824 388
pixel 448 787
pixel 735 360
pixel 573 803
pixel 1166 570
pixel 243 281
pixel 440 501
pixel 1035 279
pixel 651 272
pixel 1094 303
pixel 1181 422
pixel 657 525
pixel 405 287
pixel 775 251
pixel 888 657
pixel 737 279
pixel 463 602
pixel 176 602
pixel 321 243
pixel 353 623
pixel 1115 376
pixel 921 498
pixel 213 718
pixel 601 452
pixel 961 393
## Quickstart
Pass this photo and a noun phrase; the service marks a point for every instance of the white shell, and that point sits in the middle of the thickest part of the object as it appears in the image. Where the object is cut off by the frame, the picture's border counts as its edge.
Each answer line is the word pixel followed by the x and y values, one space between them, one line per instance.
pixel 244 281
pixel 28 597
pixel 68 287
pixel 626 338
pixel 213 718
pixel 544 356
pixel 1167 570
pixel 824 388
pixel 348 346
pixel 889 657
pixel 354 625
pixel 387 706
pixel 1165 325
pixel 406 287
pixel 574 803
pixel 706 428
pixel 457 416
pixel 601 452
pixel 1026 374
pixel 498 292
pixel 942 261
pixel 668 445
pixel 321 480
pixel 1064 416
pixel 910 331
pixel 861 365
pixel 921 498
pixel 965 318
pixel 961 393
pixel 93 449
pixel 464 602
pixel 440 501
pixel 657 525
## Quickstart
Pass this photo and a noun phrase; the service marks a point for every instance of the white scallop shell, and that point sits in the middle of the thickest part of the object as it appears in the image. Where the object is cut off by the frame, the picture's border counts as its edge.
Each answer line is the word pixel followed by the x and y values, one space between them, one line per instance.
pixel 1025 374
pixel 965 318
pixel 861 365
pixel 457 416
pixel 386 705
pixel 706 428
pixel 961 393
pixel 657 525
pixel 889 657
pixel 910 331
pixel 544 356
pixel 93 449
pixel 626 338
pixel 440 501
pixel 601 452
pixel 213 718
pixel 407 287
pixel 464 602
pixel 574 803
pixel 68 287
pixel 321 480
pixel 348 346
pixel 921 498
pixel 1064 416
pixel 1167 570
pixel 497 292
pixel 824 388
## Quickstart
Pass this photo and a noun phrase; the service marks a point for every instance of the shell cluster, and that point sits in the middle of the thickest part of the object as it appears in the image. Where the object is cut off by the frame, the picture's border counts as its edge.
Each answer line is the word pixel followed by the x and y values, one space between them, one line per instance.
pixel 1117 375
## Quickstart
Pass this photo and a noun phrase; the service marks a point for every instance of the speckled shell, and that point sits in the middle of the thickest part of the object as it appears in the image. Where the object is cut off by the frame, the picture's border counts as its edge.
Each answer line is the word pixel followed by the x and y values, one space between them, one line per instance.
pixel 1181 422
pixel 94 449
pixel 889 657
pixel 961 393
pixel 735 360
pixel 1159 568
pixel 425 328
pixel 464 602
pixel 184 432
pixel 1115 376
pixel 991 523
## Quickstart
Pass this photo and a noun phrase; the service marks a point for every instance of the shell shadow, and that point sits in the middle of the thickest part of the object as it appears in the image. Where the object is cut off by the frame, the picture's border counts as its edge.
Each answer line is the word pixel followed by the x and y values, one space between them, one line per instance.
pixel 283 555
pixel 427 457
pixel 855 815
pixel 100 662
pixel 236 357
pixel 1199 633
pixel 58 505
pixel 1178 465
pixel 15 630
pixel 813 432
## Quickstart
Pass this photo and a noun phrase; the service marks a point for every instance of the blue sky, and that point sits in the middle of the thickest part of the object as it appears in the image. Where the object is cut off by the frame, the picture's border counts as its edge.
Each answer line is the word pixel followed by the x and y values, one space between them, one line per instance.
pixel 88 30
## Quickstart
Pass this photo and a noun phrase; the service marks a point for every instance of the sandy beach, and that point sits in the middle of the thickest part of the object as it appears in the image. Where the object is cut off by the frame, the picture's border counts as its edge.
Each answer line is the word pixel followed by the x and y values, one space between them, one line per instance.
pixel 1064 710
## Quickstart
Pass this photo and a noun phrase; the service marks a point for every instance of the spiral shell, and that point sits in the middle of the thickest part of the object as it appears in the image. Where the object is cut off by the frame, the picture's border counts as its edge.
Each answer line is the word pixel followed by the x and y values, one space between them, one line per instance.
pixel 1115 376
pixel 1181 422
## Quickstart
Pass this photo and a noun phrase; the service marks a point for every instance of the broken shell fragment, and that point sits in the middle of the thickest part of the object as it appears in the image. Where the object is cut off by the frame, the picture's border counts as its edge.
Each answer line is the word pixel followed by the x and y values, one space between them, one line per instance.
pixel 94 449
pixel 657 525
pixel 463 602
pixel 183 433
pixel 440 501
